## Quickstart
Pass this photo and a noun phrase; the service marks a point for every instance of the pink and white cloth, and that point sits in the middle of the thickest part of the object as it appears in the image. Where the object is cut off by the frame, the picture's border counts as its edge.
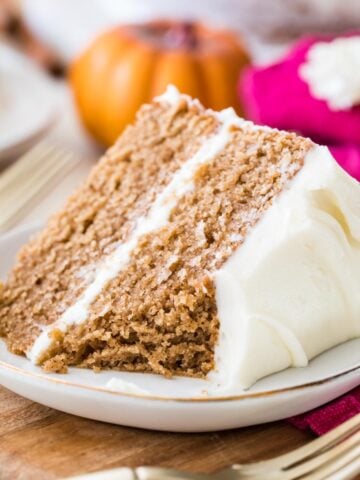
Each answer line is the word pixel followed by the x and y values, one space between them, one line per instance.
pixel 277 96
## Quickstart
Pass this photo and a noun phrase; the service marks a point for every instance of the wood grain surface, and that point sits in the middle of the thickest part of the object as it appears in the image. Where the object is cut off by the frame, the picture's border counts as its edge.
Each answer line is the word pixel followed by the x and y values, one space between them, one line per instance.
pixel 39 443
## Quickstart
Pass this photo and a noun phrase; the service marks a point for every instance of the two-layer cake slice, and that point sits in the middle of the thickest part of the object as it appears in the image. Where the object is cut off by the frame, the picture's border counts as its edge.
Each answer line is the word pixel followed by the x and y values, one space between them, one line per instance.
pixel 200 245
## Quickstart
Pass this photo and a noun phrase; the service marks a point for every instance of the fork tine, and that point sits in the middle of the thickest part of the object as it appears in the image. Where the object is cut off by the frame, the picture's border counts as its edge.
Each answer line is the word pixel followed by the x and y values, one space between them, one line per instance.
pixel 307 451
pixel 36 175
pixel 315 468
pixel 32 181
pixel 20 177
pixel 158 473
pixel 25 164
pixel 347 472
pixel 319 463
pixel 38 179
pixel 21 209
pixel 142 473
pixel 20 184
pixel 334 468
pixel 338 458
pixel 36 183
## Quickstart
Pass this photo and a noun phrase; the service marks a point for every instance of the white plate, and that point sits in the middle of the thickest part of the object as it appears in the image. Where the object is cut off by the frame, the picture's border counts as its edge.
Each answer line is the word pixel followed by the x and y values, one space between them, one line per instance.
pixel 180 404
pixel 27 103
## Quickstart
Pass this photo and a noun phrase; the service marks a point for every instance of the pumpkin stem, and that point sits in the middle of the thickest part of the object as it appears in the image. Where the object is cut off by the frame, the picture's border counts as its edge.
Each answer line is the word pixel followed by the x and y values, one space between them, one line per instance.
pixel 182 34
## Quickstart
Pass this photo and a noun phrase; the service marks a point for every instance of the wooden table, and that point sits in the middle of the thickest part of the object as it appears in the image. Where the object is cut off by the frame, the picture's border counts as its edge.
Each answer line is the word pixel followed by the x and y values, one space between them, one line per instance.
pixel 39 443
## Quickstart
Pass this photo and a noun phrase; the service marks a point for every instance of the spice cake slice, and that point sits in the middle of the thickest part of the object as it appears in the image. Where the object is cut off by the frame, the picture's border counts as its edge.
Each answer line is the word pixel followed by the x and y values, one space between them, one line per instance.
pixel 200 245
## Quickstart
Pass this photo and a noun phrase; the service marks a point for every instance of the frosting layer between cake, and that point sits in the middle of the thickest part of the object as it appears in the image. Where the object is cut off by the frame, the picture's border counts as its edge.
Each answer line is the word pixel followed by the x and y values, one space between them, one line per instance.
pixel 155 219
pixel 292 290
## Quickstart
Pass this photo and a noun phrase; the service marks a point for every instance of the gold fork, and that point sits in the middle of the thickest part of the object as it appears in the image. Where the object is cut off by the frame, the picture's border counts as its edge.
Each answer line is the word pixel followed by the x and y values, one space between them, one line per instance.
pixel 335 456
pixel 26 182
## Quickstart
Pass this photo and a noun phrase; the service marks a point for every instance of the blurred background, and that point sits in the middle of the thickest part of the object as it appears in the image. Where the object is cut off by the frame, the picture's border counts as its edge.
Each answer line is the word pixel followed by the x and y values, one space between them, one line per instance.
pixel 68 26
pixel 73 74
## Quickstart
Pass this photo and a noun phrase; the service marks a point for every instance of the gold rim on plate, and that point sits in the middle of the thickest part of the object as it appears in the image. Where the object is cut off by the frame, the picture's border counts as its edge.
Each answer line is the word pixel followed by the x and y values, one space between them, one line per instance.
pixel 40 376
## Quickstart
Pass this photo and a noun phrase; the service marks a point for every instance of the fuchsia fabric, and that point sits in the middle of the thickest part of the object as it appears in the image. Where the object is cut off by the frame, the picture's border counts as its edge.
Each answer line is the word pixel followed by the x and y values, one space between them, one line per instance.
pixel 278 97
pixel 348 156
pixel 329 416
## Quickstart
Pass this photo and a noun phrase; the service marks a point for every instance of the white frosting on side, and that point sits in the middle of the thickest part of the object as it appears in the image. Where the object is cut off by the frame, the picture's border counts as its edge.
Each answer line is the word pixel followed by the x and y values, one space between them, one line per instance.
pixel 157 217
pixel 292 290
pixel 332 71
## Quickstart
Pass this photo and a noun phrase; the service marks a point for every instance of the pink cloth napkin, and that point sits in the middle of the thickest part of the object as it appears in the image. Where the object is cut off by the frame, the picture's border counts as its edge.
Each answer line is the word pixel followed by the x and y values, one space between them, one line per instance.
pixel 277 96
pixel 329 416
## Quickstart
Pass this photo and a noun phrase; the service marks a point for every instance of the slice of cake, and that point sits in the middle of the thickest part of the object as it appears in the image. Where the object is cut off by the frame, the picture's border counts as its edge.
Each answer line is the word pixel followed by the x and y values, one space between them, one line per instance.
pixel 200 245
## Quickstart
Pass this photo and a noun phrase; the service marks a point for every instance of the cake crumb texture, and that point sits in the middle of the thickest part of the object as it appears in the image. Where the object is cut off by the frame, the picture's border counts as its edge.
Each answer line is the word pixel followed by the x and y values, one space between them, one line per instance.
pixel 159 313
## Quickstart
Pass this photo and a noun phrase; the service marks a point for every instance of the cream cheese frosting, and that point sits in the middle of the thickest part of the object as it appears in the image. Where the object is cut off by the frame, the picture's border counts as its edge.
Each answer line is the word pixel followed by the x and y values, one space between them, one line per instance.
pixel 332 71
pixel 292 290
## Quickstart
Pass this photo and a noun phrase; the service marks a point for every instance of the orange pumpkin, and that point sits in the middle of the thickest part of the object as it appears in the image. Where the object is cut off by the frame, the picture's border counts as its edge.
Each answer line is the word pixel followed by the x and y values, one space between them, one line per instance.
pixel 129 65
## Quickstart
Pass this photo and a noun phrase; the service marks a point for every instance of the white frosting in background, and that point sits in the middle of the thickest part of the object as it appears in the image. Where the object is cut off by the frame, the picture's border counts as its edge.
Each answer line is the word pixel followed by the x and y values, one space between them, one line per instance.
pixel 292 290
pixel 157 217
pixel 332 71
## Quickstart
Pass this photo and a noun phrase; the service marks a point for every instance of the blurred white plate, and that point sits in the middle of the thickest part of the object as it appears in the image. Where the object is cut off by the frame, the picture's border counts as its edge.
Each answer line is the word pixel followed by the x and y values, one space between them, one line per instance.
pixel 27 103
pixel 179 404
